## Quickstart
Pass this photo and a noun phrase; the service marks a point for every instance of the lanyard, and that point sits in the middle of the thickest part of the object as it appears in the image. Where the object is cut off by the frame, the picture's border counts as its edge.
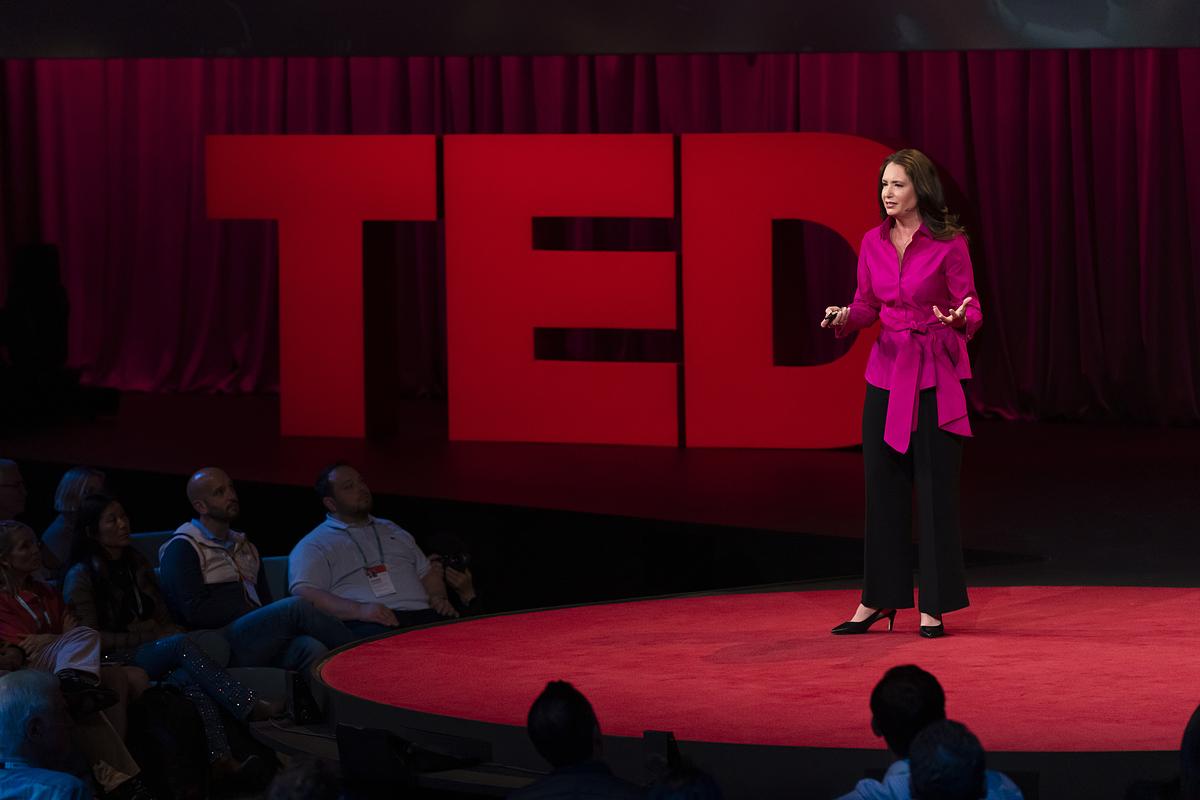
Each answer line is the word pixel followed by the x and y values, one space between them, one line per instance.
pixel 137 593
pixel 45 613
pixel 362 552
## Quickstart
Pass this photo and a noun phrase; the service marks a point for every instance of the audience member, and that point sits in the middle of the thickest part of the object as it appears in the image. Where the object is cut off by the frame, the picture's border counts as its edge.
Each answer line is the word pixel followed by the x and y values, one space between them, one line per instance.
pixel 34 618
pixel 946 762
pixel 1189 759
pixel 565 732
pixel 368 571
pixel 12 490
pixel 212 577
pixel 452 553
pixel 1184 786
pixel 905 701
pixel 35 740
pixel 59 540
pixel 112 589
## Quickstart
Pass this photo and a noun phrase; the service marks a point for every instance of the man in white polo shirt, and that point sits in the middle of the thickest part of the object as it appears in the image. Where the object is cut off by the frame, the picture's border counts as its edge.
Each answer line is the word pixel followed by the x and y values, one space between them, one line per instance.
pixel 366 571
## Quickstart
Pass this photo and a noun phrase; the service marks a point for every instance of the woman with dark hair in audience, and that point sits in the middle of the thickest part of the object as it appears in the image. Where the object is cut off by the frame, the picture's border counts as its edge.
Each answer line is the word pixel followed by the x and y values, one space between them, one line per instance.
pixel 58 540
pixel 111 587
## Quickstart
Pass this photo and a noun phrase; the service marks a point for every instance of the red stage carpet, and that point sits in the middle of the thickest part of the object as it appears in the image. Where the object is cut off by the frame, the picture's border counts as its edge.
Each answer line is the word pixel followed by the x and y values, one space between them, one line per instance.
pixel 1027 668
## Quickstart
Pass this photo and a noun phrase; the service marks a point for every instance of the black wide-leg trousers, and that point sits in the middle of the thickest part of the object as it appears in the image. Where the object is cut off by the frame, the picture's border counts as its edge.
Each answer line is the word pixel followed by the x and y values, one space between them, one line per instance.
pixel 927 476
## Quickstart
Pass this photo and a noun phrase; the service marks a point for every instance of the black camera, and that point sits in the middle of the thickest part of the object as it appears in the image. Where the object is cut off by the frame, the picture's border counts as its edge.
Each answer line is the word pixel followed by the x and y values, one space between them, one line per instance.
pixel 457 561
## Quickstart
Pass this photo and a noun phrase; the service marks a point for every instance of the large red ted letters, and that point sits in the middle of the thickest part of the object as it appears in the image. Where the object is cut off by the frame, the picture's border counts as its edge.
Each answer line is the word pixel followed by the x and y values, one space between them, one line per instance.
pixel 733 187
pixel 321 189
pixel 499 289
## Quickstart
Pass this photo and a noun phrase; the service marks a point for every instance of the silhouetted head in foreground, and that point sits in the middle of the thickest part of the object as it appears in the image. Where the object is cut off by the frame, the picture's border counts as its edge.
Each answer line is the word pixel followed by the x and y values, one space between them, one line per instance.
pixel 1189 759
pixel 906 699
pixel 563 726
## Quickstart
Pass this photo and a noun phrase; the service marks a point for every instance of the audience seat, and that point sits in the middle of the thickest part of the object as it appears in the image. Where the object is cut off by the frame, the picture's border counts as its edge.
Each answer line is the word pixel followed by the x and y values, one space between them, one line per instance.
pixel 276 568
pixel 148 543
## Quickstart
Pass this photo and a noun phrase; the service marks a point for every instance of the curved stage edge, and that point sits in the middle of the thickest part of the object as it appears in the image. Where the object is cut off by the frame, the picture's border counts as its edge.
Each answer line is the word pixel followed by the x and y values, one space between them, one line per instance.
pixel 759 694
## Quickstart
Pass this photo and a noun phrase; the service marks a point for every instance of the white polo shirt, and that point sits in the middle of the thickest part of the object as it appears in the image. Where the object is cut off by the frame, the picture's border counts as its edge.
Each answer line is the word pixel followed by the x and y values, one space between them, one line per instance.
pixel 334 557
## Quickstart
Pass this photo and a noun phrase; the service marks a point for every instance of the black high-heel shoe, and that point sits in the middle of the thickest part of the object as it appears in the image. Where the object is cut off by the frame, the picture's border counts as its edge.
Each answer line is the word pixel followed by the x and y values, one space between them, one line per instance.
pixel 850 626
pixel 933 631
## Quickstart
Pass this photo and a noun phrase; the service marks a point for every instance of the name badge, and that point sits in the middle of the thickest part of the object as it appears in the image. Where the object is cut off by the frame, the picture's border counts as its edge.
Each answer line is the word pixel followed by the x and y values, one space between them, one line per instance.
pixel 380 581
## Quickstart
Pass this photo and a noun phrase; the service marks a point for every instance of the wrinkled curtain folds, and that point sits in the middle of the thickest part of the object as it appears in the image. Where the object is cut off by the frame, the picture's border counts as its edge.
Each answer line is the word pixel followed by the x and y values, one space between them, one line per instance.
pixel 1075 171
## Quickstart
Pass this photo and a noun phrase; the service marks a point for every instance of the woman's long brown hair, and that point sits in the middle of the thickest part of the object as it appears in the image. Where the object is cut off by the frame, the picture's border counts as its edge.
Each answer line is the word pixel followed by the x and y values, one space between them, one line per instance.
pixel 931 200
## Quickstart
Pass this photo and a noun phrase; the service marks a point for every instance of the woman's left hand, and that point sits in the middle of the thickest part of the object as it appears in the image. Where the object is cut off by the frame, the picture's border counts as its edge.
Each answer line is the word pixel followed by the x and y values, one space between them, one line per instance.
pixel 957 316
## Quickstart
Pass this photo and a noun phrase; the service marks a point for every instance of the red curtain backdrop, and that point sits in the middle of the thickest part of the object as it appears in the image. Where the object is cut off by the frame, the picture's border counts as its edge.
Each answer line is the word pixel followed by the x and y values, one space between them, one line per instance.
pixel 1076 171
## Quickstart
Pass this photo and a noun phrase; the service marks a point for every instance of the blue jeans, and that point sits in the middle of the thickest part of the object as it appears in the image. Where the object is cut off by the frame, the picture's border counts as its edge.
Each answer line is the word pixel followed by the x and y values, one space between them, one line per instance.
pixel 204 681
pixel 289 633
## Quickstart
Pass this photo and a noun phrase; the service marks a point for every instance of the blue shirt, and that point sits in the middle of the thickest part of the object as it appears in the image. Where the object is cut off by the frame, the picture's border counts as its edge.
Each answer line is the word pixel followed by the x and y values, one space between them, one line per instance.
pixel 22 782
pixel 591 780
pixel 895 786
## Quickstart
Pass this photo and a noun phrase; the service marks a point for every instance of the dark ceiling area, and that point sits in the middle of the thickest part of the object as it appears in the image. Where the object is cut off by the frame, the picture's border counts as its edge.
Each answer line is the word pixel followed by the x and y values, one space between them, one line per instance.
pixel 214 28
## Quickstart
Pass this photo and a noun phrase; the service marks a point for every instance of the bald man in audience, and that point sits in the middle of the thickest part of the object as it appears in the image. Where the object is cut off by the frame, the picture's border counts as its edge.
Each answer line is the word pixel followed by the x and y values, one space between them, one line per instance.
pixel 213 577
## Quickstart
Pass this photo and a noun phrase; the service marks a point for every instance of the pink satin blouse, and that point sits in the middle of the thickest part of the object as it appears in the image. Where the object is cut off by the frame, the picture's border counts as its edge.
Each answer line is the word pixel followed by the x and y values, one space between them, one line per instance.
pixel 914 350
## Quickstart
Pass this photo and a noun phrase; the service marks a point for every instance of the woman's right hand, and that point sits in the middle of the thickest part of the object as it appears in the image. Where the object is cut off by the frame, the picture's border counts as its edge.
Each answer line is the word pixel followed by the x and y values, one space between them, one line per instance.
pixel 840 312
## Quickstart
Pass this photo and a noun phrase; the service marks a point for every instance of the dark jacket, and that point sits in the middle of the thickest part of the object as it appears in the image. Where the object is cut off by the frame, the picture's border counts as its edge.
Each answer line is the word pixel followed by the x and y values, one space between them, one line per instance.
pixel 196 604
pixel 80 592
pixel 591 780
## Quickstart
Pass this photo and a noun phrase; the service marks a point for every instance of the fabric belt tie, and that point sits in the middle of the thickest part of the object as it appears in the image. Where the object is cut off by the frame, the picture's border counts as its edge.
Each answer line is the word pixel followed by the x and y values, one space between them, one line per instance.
pixel 914 346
